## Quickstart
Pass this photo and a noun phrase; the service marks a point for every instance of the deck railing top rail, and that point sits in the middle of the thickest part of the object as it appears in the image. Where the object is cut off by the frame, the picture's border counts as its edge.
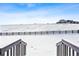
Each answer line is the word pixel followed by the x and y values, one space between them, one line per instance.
pixel 13 44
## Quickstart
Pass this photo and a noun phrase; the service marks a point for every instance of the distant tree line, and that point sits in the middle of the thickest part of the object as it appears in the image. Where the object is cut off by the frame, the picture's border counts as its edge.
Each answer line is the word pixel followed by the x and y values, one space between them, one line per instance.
pixel 67 21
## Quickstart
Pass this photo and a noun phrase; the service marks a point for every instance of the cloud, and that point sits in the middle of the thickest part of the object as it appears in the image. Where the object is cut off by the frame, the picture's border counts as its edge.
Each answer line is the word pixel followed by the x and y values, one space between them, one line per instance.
pixel 32 17
pixel 29 5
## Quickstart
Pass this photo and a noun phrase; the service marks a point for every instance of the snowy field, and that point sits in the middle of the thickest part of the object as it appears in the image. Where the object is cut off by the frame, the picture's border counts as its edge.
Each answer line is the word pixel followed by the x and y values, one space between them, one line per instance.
pixel 40 45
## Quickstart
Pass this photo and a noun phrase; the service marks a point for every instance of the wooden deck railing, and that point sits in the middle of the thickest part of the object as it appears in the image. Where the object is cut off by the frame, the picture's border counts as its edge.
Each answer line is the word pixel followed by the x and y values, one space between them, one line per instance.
pixel 17 48
pixel 65 48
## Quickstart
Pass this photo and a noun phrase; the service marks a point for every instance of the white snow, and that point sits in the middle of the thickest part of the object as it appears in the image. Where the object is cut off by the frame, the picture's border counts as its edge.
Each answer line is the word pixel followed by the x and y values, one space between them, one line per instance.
pixel 38 27
pixel 40 45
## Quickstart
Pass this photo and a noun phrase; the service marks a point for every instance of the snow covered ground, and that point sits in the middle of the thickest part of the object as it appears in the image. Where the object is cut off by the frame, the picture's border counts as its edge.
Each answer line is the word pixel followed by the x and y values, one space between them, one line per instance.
pixel 38 27
pixel 40 45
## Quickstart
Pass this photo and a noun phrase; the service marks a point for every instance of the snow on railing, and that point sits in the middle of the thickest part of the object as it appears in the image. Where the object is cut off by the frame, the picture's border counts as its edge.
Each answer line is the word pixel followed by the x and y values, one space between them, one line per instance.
pixel 65 48
pixel 17 48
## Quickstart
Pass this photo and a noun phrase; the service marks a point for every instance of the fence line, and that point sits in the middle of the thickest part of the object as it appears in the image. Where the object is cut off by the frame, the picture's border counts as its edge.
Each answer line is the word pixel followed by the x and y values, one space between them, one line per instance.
pixel 39 32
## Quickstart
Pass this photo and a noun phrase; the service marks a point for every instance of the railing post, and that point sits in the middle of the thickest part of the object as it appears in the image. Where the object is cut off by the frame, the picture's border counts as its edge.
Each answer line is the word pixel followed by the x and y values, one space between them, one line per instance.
pixel 57 50
pixel 69 51
pixel 60 50
pixel 24 50
pixel 2 53
pixel 14 51
pixel 66 50
pixel 63 49
pixel 77 53
pixel 7 52
pixel 72 52
pixel 18 49
pixel 11 52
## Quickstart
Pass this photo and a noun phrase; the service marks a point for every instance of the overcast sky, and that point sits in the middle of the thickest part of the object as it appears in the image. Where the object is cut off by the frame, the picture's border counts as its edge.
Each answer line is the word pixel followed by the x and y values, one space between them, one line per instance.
pixel 19 13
